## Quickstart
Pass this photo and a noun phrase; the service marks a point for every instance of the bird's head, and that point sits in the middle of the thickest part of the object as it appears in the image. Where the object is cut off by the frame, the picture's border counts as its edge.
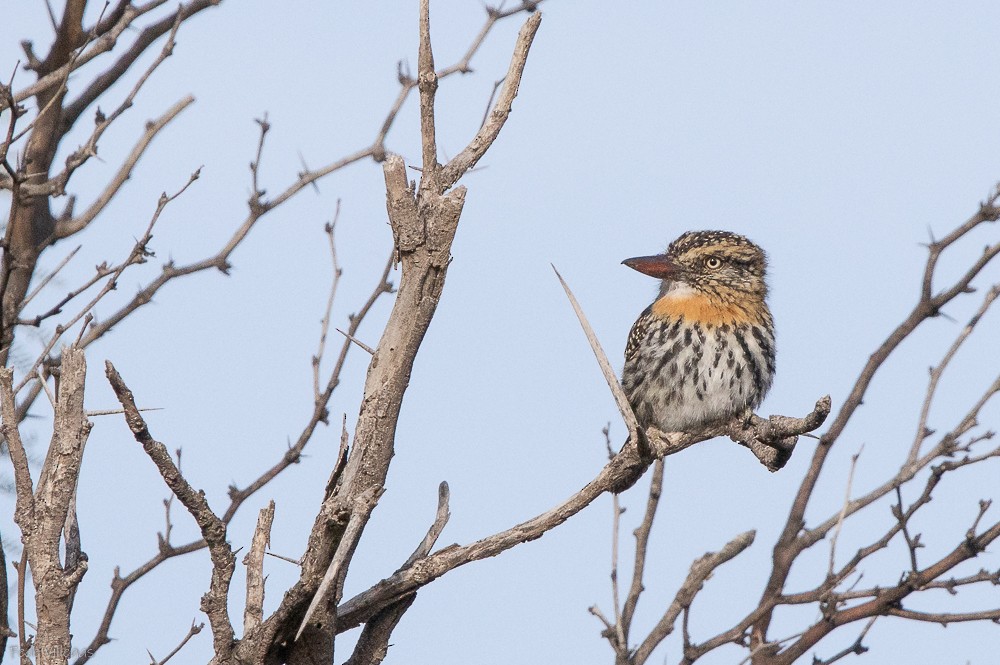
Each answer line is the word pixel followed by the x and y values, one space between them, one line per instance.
pixel 717 264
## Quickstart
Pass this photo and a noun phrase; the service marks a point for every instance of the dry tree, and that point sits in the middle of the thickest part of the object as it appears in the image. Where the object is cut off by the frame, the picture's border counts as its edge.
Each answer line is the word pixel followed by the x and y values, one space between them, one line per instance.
pixel 424 215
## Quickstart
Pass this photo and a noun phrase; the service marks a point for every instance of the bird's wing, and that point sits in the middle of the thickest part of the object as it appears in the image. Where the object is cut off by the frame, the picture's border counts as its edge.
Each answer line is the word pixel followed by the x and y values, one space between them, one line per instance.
pixel 638 333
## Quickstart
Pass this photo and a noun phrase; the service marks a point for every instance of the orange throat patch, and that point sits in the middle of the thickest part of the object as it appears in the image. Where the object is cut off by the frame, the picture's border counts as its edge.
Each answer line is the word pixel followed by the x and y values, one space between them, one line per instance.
pixel 698 308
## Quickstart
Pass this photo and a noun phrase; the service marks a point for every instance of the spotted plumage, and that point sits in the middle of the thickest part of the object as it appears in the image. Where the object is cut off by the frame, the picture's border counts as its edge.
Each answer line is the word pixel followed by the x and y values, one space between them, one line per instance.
pixel 703 351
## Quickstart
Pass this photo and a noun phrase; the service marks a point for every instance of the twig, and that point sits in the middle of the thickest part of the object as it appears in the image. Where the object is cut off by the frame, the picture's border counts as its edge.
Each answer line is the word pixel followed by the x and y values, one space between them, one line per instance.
pixel 168 505
pixel 67 227
pixel 489 103
pixel 100 272
pixel 45 387
pixel 427 83
pixel 373 644
pixel 5 631
pixel 843 511
pixel 24 641
pixel 24 513
pixel 944 618
pixel 48 278
pixel 912 543
pixel 138 254
pixel 984 505
pixel 642 533
pixel 609 628
pixel 461 163
pixel 616 519
pixel 937 371
pixel 857 648
pixel 993 577
pixel 116 412
pixel 297 562
pixel 697 651
pixel 325 325
pixel 192 631
pixel 609 373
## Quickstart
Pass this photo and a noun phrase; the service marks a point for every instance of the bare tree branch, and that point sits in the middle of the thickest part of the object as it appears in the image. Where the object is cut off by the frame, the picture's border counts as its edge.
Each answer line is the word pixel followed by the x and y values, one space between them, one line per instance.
pixel 944 618
pixel 789 544
pixel 843 513
pixel 487 134
pixel 621 472
pixel 213 529
pixel 67 227
pixel 888 600
pixel 857 648
pixel 427 83
pixel 192 631
pixel 373 644
pixel 106 41
pixel 642 533
pixel 701 570
pixel 56 185
pixel 238 496
pixel 937 371
pixel 325 325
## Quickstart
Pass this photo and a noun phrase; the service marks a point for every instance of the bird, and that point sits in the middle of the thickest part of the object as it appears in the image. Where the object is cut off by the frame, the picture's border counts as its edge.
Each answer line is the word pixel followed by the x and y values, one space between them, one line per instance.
pixel 703 352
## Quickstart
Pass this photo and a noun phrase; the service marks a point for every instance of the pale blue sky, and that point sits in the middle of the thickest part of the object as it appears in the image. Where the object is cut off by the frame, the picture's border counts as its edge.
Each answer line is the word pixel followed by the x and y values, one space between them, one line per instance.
pixel 833 134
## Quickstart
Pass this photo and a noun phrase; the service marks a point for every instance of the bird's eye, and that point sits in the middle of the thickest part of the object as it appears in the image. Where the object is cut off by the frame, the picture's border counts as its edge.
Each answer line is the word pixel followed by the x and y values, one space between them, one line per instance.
pixel 713 262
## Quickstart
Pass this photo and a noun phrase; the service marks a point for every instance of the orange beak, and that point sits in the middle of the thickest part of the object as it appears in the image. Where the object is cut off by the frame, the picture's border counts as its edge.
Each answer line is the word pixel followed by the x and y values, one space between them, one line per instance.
pixel 658 266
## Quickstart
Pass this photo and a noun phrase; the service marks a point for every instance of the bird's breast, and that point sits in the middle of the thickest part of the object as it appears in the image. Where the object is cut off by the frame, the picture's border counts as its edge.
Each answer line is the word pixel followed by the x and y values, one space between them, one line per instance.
pixel 708 311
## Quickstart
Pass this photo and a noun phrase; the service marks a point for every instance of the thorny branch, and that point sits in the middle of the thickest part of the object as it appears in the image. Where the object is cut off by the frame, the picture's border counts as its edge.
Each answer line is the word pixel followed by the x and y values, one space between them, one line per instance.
pixel 192 631
pixel 793 540
pixel 213 529
pixel 857 648
pixel 144 296
pixel 56 185
pixel 424 220
pixel 77 45
pixel 103 37
pixel 622 471
pixel 325 325
pixel 238 496
pixel 138 254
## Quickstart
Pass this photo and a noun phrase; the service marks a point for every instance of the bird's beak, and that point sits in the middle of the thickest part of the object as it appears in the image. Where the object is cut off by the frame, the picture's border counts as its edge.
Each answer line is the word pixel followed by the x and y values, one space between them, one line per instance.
pixel 658 266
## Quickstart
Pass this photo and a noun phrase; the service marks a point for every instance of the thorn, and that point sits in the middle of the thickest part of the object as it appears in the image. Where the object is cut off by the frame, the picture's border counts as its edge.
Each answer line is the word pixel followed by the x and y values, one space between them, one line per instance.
pixel 364 346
